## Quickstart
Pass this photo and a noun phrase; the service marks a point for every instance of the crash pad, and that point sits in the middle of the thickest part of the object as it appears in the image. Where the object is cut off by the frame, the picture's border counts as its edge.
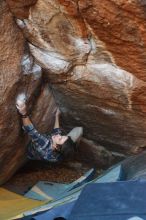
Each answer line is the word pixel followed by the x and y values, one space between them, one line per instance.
pixel 45 190
pixel 123 200
pixel 59 212
pixel 113 174
pixel 118 172
pixel 12 204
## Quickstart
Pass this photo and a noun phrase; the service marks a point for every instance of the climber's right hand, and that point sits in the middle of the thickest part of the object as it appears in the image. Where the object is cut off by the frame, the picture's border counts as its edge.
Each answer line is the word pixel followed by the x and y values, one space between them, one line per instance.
pixel 21 107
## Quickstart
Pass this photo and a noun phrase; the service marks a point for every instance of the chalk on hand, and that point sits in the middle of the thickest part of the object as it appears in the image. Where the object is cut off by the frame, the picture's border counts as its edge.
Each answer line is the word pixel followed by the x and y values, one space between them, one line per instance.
pixel 21 99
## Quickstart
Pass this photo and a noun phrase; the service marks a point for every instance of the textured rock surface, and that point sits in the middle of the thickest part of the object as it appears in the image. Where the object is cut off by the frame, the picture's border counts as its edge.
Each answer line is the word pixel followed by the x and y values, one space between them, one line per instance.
pixel 18 73
pixel 20 8
pixel 93 54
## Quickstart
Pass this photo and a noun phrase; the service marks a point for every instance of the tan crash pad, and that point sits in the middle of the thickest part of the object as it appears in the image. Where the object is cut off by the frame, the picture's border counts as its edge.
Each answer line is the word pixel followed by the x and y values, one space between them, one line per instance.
pixel 13 205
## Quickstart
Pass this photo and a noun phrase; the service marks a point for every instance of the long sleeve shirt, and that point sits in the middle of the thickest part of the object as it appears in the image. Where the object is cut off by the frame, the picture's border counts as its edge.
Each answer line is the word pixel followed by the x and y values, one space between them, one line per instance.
pixel 40 147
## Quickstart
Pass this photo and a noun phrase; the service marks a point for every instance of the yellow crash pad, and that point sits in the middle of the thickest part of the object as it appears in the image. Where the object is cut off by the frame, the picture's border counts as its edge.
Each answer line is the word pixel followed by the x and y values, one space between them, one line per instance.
pixel 13 205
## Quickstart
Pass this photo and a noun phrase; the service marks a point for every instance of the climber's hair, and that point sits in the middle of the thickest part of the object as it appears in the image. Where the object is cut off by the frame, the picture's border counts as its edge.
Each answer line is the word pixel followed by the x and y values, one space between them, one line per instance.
pixel 68 147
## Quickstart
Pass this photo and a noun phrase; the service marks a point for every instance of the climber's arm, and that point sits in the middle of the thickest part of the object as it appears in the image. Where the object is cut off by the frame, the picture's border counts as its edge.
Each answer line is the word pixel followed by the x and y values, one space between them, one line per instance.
pixel 29 128
pixel 36 137
pixel 57 116
pixel 22 109
pixel 23 112
pixel 26 121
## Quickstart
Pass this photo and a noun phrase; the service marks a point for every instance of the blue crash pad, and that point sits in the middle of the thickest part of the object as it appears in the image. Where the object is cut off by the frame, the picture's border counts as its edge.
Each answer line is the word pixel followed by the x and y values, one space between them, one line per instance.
pixel 124 200
pixel 45 190
pixel 62 211
pixel 113 174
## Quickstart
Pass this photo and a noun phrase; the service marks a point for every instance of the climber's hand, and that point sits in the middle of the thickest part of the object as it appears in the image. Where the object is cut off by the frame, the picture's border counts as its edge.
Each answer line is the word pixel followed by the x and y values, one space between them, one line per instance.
pixel 21 108
pixel 21 104
pixel 58 112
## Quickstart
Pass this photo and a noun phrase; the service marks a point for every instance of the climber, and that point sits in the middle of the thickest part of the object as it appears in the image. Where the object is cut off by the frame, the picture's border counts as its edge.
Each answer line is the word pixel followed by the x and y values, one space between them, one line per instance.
pixel 51 148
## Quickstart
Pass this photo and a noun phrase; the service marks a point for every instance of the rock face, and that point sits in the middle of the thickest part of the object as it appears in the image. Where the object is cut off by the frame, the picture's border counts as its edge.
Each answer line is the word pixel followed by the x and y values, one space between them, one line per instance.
pixel 91 53
pixel 19 73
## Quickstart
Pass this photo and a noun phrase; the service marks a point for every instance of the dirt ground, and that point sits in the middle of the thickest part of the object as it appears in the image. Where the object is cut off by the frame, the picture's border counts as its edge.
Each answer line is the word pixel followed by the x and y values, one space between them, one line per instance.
pixel 35 171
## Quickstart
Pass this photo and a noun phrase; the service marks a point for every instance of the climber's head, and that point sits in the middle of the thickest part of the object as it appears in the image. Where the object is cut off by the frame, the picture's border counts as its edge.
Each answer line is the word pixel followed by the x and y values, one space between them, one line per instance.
pixel 59 139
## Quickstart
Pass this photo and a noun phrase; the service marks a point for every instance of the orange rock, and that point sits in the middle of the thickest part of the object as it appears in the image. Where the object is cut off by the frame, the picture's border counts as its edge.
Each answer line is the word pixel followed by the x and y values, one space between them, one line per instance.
pixel 92 53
